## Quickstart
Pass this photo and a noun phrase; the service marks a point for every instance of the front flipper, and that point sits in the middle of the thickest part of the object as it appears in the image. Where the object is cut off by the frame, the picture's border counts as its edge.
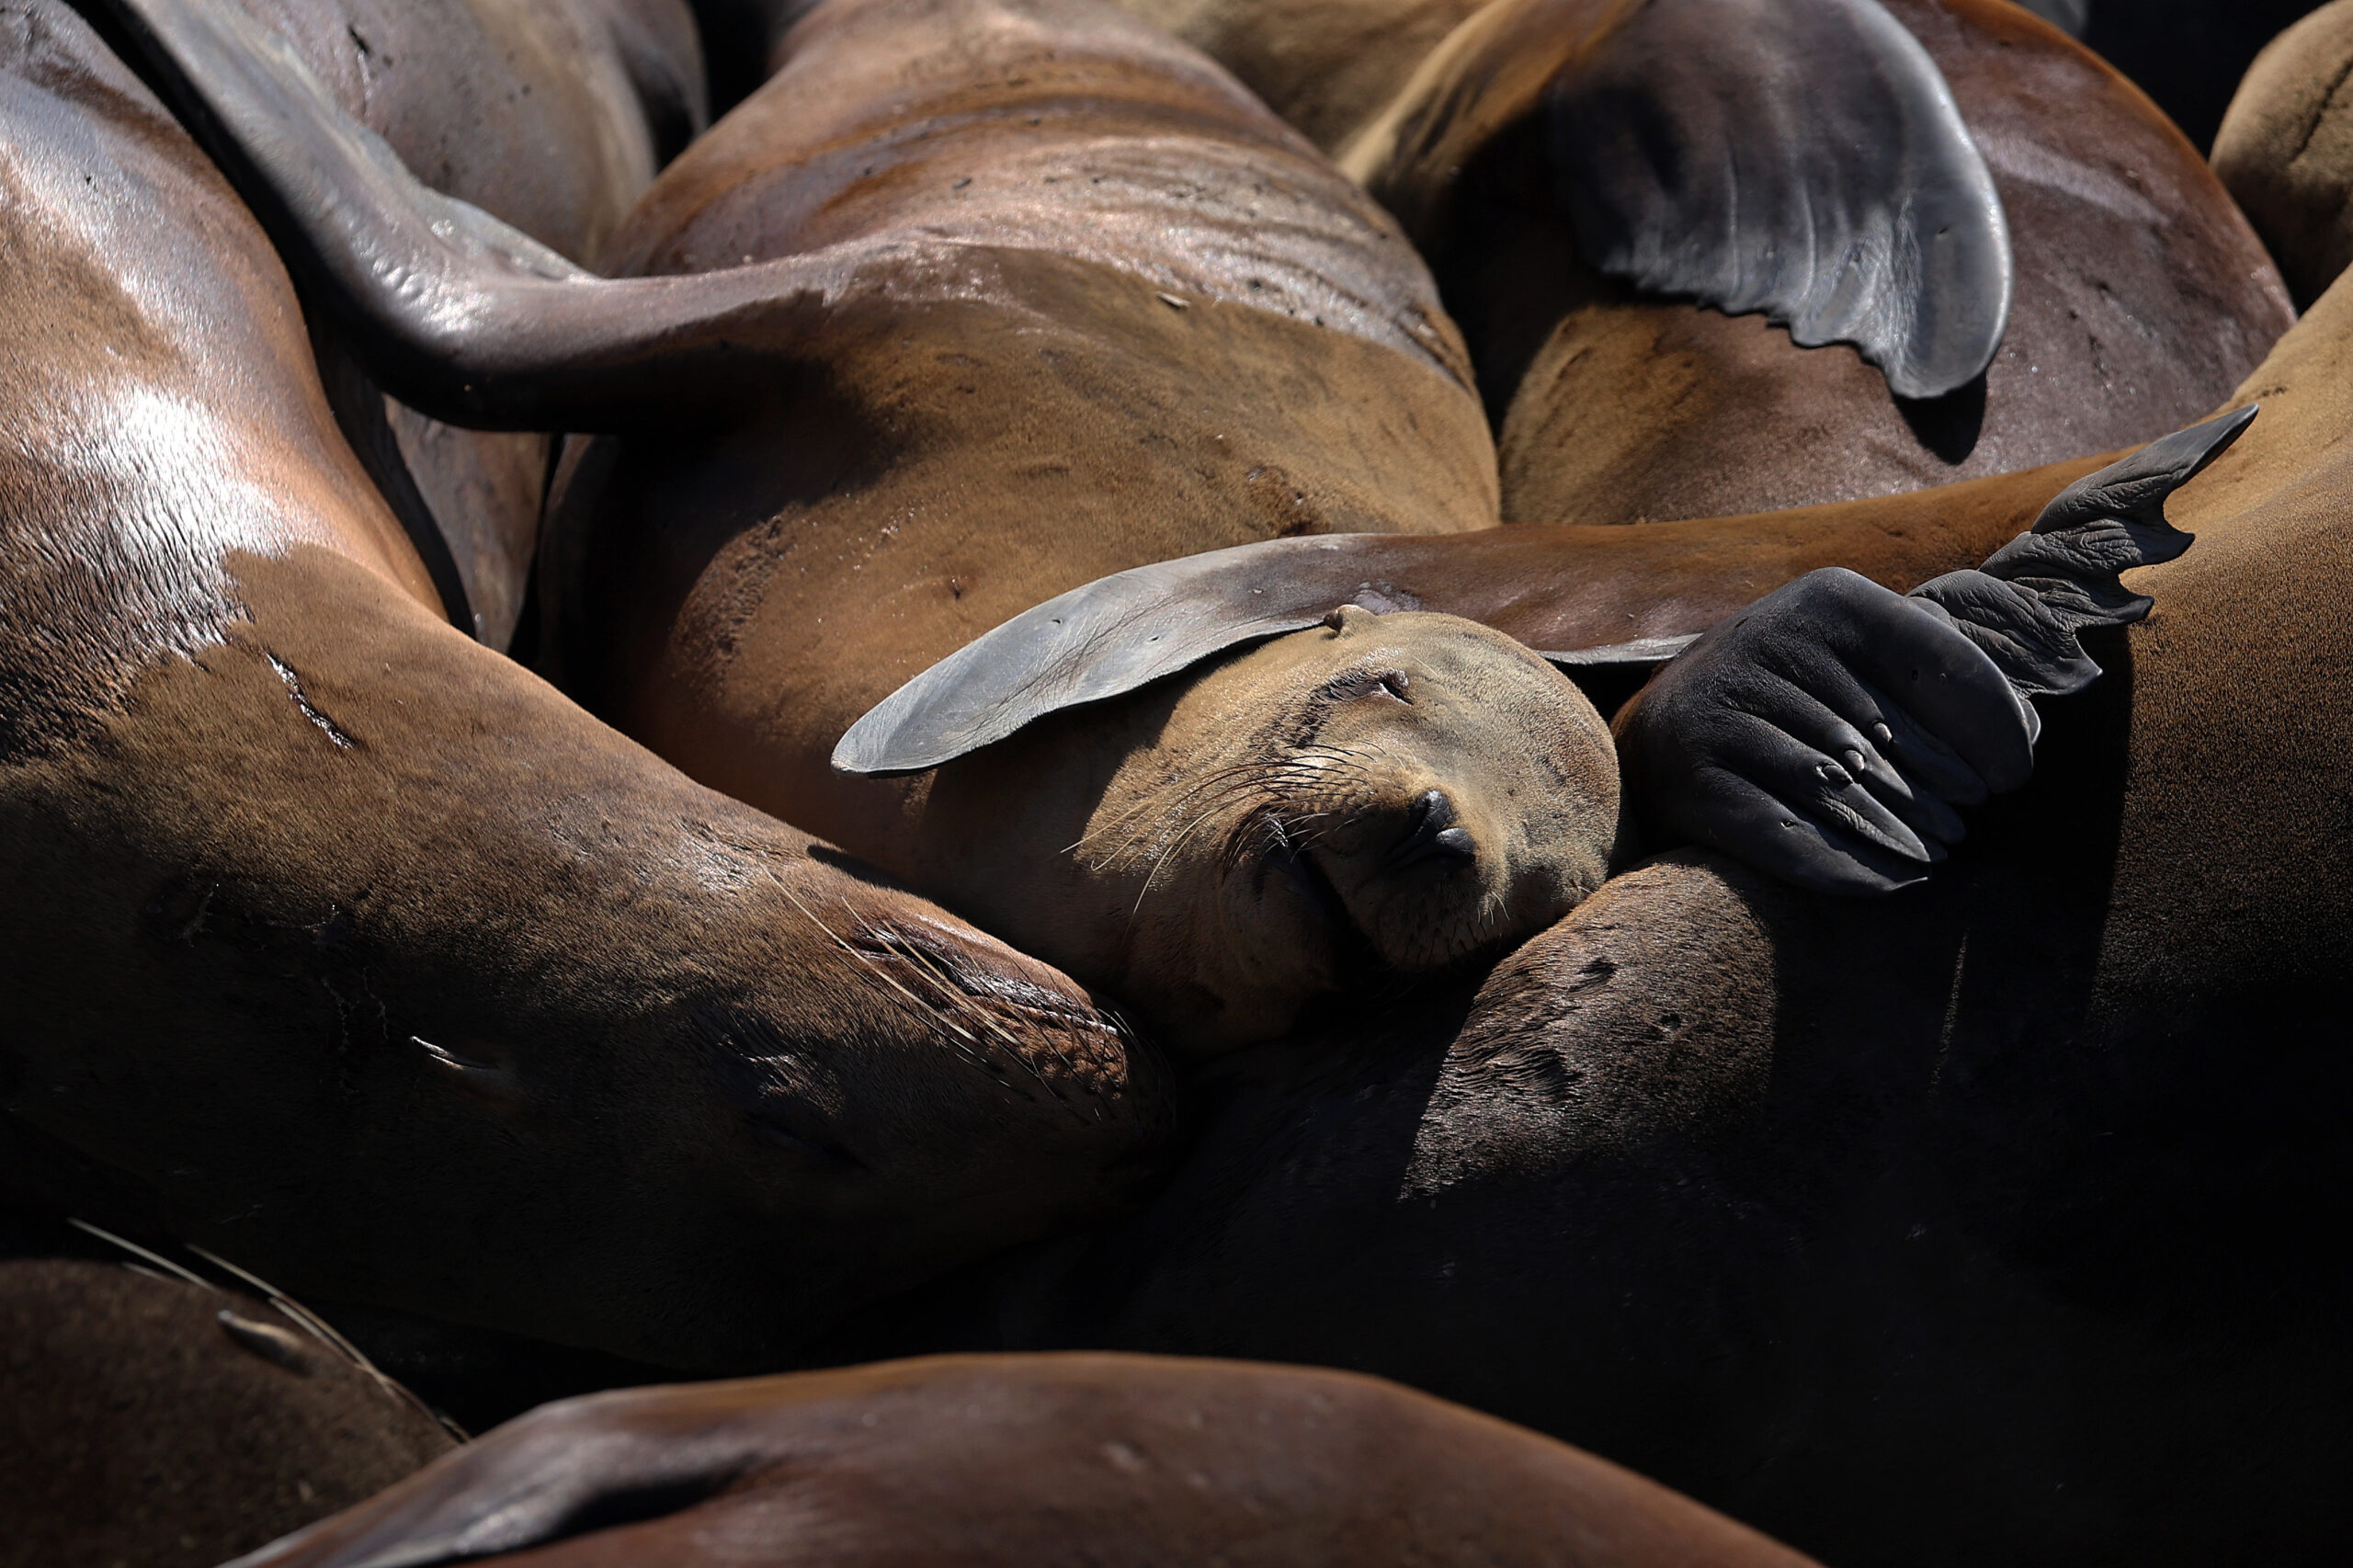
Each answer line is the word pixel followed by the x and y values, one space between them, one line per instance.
pixel 1830 732
pixel 1803 158
pixel 454 312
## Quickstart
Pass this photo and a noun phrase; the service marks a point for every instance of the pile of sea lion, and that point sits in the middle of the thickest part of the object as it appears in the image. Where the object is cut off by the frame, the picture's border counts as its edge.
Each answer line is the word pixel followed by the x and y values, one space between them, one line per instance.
pixel 1468 712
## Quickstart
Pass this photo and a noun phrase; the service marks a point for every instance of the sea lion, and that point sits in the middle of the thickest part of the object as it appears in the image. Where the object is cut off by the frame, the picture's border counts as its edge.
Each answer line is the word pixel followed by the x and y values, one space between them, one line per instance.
pixel 1032 1461
pixel 1975 1224
pixel 1030 184
pixel 153 1420
pixel 552 114
pixel 1561 162
pixel 2285 149
pixel 344 947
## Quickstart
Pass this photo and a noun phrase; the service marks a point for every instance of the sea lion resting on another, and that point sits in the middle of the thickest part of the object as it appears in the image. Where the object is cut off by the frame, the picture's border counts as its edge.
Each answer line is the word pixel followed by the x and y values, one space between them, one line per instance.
pixel 1976 1224
pixel 344 947
pixel 1026 1461
pixel 1048 296
pixel 1523 154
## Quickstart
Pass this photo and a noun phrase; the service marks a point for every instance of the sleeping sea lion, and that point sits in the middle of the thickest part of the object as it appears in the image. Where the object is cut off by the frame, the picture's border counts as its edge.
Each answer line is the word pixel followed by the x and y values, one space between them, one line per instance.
pixel 1190 331
pixel 158 1421
pixel 349 949
pixel 2285 149
pixel 1976 1224
pixel 1563 164
pixel 1038 1460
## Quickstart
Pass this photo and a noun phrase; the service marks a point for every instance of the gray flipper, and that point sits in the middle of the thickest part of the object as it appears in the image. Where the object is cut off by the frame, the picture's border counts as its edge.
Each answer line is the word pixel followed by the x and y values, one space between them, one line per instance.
pixel 2033 597
pixel 1799 157
pixel 455 313
pixel 1111 636
pixel 1831 734
pixel 1124 632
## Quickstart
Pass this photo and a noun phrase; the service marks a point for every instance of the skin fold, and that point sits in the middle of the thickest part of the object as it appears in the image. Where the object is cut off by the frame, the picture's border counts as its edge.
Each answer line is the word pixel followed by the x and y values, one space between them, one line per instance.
pixel 349 949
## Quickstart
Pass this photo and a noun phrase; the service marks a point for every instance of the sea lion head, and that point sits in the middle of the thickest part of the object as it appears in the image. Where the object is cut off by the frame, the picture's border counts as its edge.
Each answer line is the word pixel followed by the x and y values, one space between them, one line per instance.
pixel 1372 795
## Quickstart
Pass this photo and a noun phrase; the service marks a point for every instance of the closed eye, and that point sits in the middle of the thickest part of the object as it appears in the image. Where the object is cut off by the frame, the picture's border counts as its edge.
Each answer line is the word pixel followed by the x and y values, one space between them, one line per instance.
pixel 1368 683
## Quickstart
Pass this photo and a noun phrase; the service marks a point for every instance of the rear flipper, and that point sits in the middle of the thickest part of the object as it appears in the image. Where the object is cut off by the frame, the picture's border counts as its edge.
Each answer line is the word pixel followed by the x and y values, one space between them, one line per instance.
pixel 455 313
pixel 1803 158
pixel 1830 732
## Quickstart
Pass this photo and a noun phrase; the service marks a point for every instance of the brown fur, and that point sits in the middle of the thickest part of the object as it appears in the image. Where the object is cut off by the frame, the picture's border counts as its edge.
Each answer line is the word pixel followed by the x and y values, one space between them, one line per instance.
pixel 1104 1460
pixel 1326 66
pixel 2141 297
pixel 1182 330
pixel 1234 836
pixel 137 1426
pixel 551 114
pixel 343 946
pixel 2285 149
pixel 1973 1224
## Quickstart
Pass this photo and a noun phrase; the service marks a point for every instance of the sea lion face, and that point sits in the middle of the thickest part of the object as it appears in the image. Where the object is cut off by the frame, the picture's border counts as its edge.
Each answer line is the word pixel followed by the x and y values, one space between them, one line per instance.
pixel 1379 794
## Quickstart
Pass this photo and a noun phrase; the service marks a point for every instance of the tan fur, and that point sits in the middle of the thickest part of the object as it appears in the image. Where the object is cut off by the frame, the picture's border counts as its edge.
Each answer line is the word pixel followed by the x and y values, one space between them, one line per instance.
pixel 2285 148
pixel 1326 66
pixel 1234 836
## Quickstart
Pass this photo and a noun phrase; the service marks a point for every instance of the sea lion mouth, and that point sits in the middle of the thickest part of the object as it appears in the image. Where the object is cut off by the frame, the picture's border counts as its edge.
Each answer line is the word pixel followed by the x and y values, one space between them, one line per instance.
pixel 1353 951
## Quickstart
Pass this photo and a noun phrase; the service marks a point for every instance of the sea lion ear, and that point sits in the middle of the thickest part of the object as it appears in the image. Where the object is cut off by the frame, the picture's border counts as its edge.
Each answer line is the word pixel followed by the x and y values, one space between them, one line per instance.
pixel 1111 636
pixel 2031 601
pixel 1799 157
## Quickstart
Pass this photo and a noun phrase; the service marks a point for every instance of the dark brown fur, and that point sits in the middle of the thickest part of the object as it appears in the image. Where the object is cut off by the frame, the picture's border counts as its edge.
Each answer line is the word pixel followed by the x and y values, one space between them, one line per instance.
pixel 137 1426
pixel 1041 1461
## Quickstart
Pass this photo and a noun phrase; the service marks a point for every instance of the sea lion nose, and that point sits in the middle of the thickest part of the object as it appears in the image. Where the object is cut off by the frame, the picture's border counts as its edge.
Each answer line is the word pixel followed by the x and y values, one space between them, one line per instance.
pixel 1431 833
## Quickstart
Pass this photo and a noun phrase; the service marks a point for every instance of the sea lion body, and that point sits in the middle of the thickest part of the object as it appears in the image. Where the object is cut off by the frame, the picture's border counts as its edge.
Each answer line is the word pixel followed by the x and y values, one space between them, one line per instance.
pixel 1972 1224
pixel 1191 333
pixel 554 115
pixel 1101 1460
pixel 150 1420
pixel 2285 149
pixel 2141 297
pixel 1173 328
pixel 343 946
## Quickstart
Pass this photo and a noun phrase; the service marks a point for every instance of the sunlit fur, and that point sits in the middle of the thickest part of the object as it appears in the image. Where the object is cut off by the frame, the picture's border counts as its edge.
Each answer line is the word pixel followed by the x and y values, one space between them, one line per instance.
pixel 1380 795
